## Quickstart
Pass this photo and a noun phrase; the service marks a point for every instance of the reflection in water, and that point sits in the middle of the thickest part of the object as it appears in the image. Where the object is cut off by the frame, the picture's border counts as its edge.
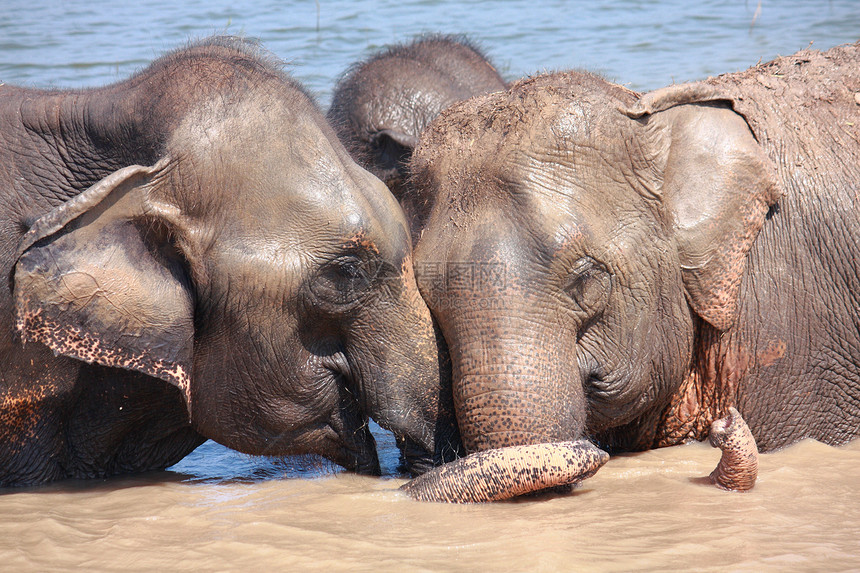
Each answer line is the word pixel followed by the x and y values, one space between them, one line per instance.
pixel 644 45
pixel 219 510
pixel 212 463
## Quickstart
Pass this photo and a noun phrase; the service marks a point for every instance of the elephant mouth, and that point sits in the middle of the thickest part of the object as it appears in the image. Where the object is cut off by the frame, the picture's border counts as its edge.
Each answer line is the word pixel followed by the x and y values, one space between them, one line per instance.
pixel 414 458
pixel 361 455
pixel 352 444
pixel 344 438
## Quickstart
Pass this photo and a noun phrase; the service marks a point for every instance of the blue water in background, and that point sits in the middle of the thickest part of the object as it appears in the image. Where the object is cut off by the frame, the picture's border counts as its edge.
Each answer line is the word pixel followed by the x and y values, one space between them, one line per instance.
pixel 641 44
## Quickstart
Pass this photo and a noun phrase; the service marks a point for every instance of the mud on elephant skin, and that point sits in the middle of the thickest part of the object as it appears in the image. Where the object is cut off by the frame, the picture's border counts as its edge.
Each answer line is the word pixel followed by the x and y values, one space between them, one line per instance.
pixel 627 267
pixel 192 254
pixel 380 106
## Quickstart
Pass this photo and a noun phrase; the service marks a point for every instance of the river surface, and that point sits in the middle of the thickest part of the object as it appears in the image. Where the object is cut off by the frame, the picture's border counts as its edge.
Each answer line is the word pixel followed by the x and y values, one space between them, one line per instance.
pixel 222 511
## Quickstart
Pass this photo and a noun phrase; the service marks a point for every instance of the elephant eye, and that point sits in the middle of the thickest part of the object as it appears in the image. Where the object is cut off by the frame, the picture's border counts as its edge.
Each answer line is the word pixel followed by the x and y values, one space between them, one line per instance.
pixel 343 281
pixel 588 284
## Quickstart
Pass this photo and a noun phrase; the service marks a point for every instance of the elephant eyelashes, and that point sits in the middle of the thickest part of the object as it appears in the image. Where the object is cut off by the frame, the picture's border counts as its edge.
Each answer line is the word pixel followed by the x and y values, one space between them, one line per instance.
pixel 589 285
pixel 342 282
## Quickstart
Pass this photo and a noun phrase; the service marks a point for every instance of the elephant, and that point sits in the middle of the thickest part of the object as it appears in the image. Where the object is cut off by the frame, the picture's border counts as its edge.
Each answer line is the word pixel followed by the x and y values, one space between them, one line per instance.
pixel 380 106
pixel 192 254
pixel 625 268
pixel 505 473
pixel 508 472
pixel 737 469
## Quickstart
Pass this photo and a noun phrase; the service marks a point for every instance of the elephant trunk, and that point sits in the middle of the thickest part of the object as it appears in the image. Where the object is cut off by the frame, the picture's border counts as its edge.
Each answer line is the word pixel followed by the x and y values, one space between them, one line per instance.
pixel 738 466
pixel 504 473
pixel 520 407
pixel 412 396
pixel 515 380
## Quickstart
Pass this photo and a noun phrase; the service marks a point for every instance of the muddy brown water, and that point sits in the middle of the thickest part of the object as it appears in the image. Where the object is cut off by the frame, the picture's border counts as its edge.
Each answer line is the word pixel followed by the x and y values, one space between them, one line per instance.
pixel 221 511
pixel 648 511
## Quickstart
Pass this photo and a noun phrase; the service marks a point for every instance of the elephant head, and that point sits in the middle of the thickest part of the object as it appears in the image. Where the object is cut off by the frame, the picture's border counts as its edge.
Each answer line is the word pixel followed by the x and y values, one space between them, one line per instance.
pixel 254 266
pixel 381 106
pixel 570 236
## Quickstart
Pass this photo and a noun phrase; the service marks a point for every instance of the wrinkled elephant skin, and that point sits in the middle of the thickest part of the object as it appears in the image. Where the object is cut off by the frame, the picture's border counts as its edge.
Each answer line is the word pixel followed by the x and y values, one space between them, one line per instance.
pixel 504 473
pixel 193 254
pixel 737 469
pixel 626 268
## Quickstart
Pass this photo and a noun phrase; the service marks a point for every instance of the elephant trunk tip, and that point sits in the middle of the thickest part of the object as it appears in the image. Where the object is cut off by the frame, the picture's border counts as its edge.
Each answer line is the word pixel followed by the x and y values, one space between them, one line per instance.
pixel 505 473
pixel 737 469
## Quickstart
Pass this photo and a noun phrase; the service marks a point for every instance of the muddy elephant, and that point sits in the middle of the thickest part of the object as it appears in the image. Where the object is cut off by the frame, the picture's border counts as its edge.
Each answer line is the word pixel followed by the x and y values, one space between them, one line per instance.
pixel 380 106
pixel 191 253
pixel 626 268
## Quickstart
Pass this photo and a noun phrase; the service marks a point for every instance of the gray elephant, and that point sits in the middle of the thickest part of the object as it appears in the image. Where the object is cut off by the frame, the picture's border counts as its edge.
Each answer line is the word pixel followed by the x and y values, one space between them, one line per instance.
pixel 381 106
pixel 628 268
pixel 191 254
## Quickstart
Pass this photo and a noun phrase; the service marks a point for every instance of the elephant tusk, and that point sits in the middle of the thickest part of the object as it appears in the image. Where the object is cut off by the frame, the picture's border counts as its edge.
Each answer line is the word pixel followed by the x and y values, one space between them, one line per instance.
pixel 504 473
pixel 738 466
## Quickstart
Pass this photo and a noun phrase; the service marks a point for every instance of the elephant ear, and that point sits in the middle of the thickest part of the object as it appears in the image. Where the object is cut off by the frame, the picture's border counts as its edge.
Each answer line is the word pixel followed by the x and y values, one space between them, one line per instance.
pixel 718 186
pixel 402 140
pixel 96 279
pixel 393 148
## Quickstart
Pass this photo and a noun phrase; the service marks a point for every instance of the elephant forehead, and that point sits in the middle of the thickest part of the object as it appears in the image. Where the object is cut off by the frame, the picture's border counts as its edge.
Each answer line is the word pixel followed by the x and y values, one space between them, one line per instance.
pixel 262 262
pixel 353 218
pixel 553 132
pixel 310 237
pixel 294 232
pixel 399 99
pixel 259 150
pixel 271 174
